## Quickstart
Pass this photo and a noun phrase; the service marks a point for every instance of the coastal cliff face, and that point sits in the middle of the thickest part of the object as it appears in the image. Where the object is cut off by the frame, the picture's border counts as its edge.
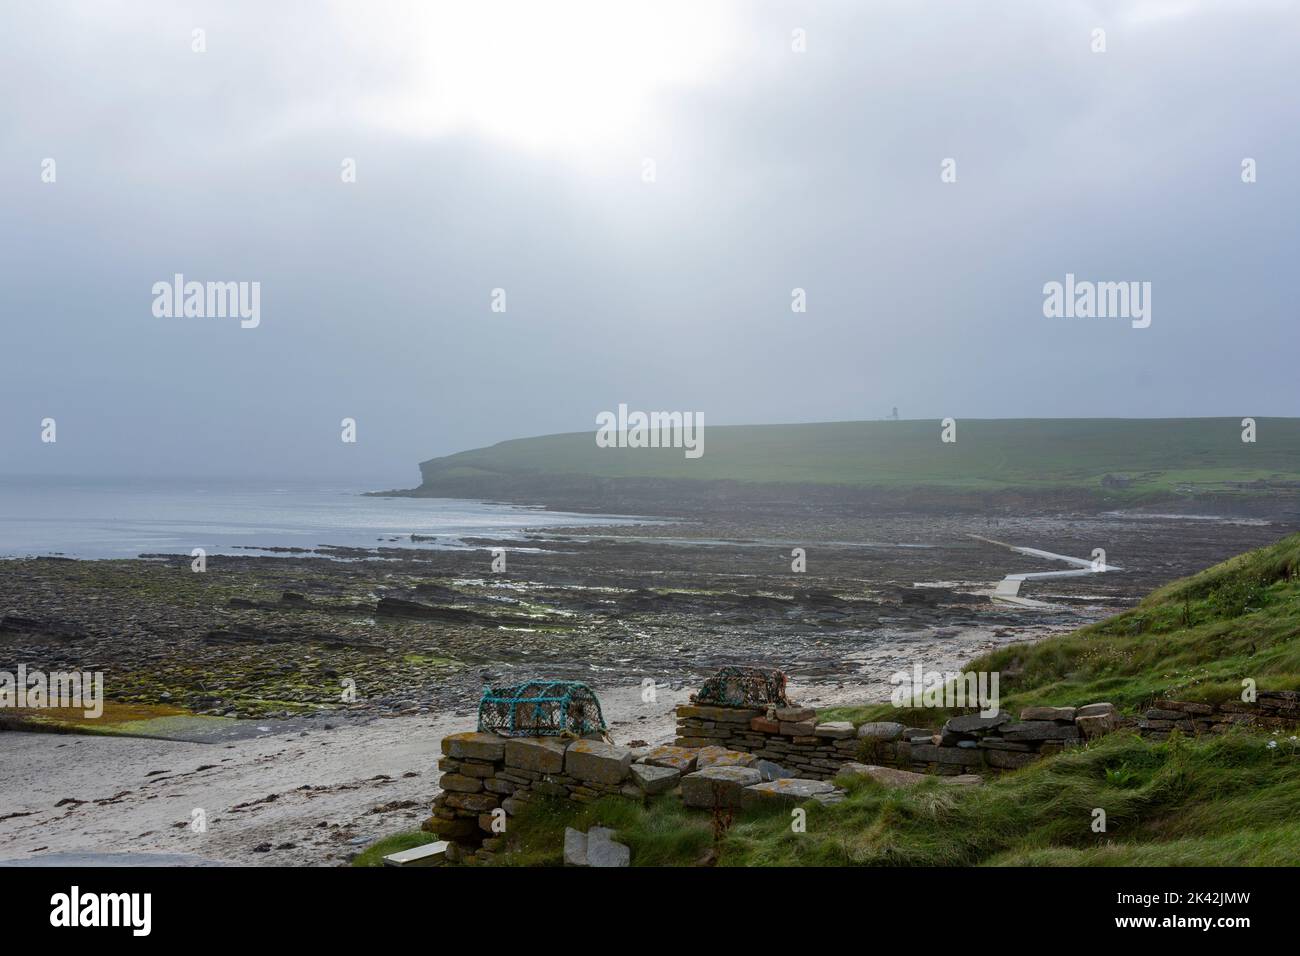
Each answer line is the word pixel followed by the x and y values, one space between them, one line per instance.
pixel 685 496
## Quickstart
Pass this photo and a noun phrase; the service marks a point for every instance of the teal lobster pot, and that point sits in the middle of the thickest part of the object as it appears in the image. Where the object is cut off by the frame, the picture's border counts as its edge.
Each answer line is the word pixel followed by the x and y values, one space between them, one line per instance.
pixel 541 709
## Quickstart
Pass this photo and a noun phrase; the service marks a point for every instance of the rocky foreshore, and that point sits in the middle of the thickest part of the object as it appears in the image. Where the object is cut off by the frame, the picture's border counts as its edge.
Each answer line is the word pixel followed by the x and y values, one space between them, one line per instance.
pixel 396 629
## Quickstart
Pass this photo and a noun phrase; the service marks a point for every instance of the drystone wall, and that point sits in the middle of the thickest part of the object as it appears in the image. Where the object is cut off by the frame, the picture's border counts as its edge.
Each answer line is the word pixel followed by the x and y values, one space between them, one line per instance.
pixel 789 736
pixel 1271 710
pixel 733 757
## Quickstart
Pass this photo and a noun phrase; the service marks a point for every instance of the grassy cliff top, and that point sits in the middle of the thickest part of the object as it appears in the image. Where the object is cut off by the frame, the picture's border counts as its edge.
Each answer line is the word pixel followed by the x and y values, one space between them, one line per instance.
pixel 1157 455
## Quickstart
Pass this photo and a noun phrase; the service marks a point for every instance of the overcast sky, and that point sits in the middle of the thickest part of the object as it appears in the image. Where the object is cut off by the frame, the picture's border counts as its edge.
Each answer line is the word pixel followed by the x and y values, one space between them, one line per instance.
pixel 504 145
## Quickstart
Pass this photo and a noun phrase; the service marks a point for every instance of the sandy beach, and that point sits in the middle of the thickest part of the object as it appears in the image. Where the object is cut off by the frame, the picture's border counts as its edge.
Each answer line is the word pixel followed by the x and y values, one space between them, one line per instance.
pixel 313 797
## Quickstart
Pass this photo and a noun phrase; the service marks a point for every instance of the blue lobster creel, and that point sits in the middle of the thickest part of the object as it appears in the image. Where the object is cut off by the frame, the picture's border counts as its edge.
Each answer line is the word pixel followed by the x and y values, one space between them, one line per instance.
pixel 541 709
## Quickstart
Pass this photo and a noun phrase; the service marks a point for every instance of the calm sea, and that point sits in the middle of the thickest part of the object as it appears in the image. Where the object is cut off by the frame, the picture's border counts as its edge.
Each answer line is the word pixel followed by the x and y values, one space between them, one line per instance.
pixel 122 518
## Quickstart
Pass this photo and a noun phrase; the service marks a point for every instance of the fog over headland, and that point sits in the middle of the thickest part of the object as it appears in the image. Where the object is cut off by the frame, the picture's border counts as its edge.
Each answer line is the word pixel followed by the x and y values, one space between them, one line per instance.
pixel 504 145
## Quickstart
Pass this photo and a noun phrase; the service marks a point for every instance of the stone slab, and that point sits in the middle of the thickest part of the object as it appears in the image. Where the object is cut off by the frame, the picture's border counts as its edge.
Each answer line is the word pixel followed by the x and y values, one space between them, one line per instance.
pixel 459 783
pixel 603 851
pixel 539 754
pixel 598 762
pixel 722 757
pixel 1038 730
pixel 834 729
pixel 880 730
pixel 575 847
pixel 1092 710
pixel 473 745
pixel 1096 725
pixel 722 715
pixel 681 759
pixel 1049 713
pixel 771 770
pixel 718 786
pixel 973 723
pixel 929 753
pixel 791 790
pixel 795 714
pixel 654 780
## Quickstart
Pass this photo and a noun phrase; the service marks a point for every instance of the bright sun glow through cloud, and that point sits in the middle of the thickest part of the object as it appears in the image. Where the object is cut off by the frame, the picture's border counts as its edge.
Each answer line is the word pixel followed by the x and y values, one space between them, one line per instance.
pixel 579 74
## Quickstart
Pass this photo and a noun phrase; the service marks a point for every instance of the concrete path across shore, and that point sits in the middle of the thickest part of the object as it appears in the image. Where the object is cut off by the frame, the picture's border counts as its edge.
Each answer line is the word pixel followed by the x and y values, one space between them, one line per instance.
pixel 1008 589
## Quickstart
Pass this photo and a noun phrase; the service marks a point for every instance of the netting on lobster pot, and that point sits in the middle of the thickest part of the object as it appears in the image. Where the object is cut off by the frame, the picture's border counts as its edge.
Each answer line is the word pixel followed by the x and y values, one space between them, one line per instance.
pixel 541 709
pixel 744 687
